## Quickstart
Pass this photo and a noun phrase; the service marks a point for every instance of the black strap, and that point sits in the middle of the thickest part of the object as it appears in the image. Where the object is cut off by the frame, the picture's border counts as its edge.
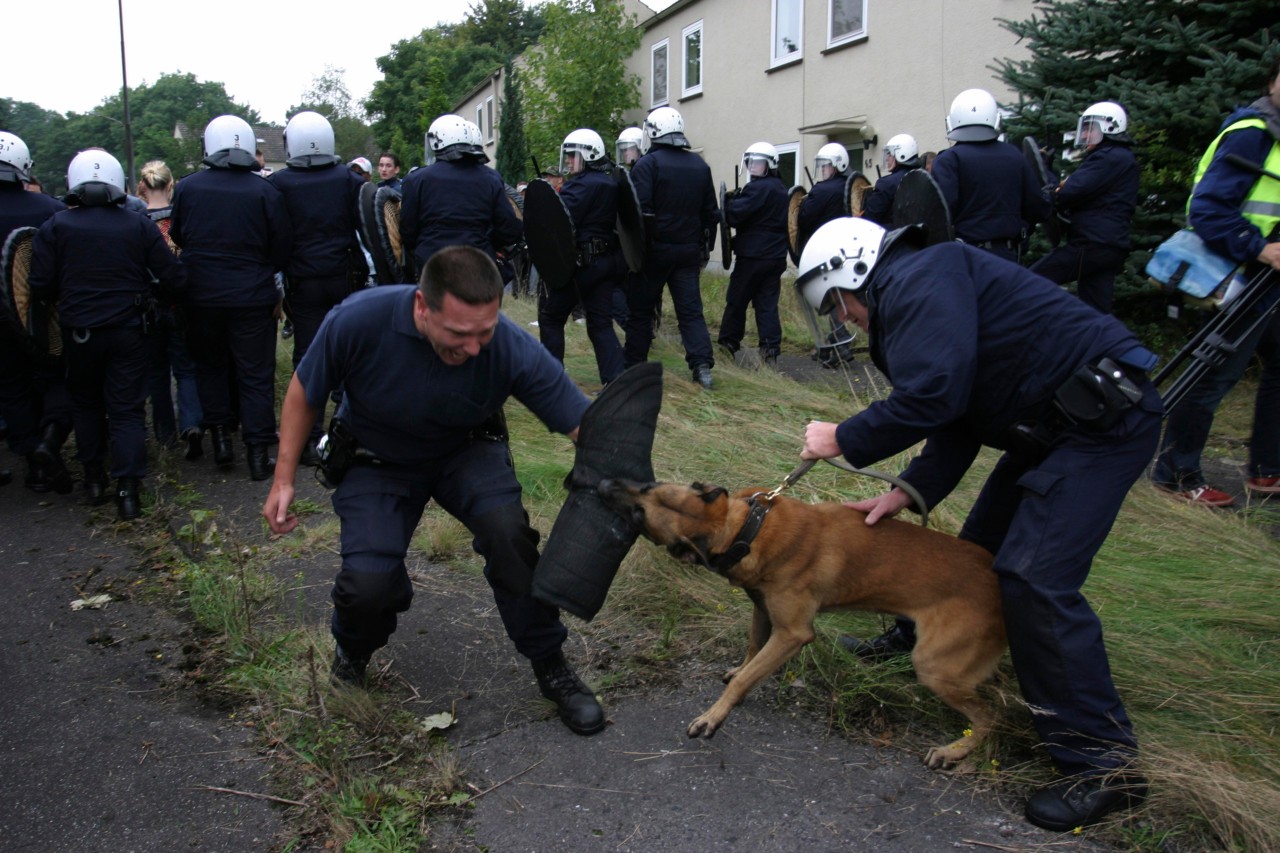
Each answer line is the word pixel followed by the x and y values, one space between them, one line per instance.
pixel 741 547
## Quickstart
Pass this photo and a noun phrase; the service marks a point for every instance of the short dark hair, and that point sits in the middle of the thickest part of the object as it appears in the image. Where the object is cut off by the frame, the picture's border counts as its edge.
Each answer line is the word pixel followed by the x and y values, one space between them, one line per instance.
pixel 464 271
pixel 393 157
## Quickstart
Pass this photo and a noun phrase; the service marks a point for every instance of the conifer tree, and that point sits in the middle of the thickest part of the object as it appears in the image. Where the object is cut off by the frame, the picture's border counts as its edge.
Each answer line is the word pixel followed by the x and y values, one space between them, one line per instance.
pixel 512 160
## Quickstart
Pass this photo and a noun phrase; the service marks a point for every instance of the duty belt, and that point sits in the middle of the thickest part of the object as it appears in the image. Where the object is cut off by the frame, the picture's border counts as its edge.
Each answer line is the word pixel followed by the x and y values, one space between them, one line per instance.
pixel 591 249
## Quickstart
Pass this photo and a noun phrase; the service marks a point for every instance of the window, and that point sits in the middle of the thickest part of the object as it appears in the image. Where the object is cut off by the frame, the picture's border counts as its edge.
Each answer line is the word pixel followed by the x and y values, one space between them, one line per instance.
pixel 488 126
pixel 480 119
pixel 788 159
pixel 846 21
pixel 659 67
pixel 788 28
pixel 692 60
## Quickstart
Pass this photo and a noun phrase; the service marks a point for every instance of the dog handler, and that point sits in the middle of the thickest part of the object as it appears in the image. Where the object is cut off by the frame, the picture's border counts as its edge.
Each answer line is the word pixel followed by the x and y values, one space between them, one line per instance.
pixel 980 351
pixel 426 371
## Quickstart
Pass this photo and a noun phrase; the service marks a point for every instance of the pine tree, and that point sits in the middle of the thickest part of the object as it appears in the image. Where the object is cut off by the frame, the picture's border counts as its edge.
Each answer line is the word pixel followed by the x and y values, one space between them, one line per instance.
pixel 1177 67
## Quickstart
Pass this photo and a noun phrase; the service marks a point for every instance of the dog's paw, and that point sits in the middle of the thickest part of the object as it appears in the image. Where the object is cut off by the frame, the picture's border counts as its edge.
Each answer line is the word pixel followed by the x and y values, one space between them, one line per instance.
pixel 729 674
pixel 704 726
pixel 947 757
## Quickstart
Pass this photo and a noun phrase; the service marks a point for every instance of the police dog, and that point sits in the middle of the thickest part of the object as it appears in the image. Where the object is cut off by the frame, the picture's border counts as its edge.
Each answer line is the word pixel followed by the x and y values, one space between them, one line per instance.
pixel 805 558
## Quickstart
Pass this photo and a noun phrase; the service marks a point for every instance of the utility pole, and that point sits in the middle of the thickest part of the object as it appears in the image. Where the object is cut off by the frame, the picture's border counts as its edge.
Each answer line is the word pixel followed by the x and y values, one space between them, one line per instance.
pixel 124 97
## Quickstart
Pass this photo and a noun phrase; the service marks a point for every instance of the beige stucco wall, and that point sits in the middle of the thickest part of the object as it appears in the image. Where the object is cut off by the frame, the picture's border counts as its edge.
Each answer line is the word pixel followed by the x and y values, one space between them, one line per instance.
pixel 918 54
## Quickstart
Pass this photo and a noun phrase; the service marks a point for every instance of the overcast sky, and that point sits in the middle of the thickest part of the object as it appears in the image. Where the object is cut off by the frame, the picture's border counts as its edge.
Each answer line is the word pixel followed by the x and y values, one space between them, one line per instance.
pixel 65 54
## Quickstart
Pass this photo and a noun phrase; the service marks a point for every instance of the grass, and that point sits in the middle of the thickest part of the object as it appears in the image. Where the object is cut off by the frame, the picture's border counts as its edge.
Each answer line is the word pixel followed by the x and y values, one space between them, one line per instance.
pixel 1188 599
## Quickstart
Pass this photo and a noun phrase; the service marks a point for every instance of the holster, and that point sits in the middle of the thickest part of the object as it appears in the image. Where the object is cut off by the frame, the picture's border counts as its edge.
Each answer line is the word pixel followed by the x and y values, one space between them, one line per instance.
pixel 1095 397
pixel 338 451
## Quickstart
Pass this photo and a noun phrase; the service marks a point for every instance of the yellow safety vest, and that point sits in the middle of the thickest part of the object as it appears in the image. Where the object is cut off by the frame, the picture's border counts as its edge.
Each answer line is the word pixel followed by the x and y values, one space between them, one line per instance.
pixel 1261 206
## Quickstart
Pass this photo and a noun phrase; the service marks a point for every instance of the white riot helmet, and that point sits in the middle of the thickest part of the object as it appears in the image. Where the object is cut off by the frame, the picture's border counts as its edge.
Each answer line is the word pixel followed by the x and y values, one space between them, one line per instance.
pixel 665 126
pixel 95 178
pixel 760 154
pixel 974 117
pixel 1107 116
pixel 585 143
pixel 15 158
pixel 230 139
pixel 902 148
pixel 832 154
pixel 308 133
pixel 451 137
pixel 627 147
pixel 839 256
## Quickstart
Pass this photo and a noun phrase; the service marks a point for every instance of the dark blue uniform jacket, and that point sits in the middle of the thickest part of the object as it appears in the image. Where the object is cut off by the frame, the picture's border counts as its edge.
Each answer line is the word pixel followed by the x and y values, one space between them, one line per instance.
pixel 674 185
pixel 98 264
pixel 456 202
pixel 406 405
pixel 323 207
pixel 759 215
pixel 990 191
pixel 878 204
pixel 1100 195
pixel 972 344
pixel 824 203
pixel 22 209
pixel 234 232
pixel 1215 206
pixel 592 201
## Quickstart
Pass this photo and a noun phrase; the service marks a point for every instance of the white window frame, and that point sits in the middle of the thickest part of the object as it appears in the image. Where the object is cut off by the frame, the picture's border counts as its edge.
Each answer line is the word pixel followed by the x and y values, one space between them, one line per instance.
pixel 665 47
pixel 480 118
pixel 834 40
pixel 696 89
pixel 488 117
pixel 774 59
pixel 791 148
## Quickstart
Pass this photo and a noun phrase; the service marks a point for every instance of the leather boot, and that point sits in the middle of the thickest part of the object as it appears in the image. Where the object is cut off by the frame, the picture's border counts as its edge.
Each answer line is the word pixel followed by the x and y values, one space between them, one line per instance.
pixel 194 438
pixel 48 472
pixel 224 455
pixel 896 642
pixel 577 705
pixel 128 498
pixel 261 466
pixel 95 482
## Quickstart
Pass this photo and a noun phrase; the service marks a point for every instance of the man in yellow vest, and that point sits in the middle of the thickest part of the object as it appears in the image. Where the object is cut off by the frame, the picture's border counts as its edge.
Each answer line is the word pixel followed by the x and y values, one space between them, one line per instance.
pixel 1236 211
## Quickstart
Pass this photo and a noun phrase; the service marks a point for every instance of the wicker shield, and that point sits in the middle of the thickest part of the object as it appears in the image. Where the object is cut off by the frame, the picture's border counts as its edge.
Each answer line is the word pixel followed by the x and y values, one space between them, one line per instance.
pixel 920 202
pixel 517 200
pixel 630 225
pixel 856 186
pixel 33 321
pixel 1031 150
pixel 549 233
pixel 375 231
pixel 726 236
pixel 794 244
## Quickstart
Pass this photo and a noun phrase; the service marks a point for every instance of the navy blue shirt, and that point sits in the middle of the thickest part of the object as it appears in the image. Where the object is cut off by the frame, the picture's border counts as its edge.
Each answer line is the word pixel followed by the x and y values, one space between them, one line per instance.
pixel 877 205
pixel 674 185
pixel 98 264
pixel 395 183
pixel 759 215
pixel 990 191
pixel 323 209
pixel 972 344
pixel 591 198
pixel 234 232
pixel 1100 195
pixel 822 204
pixel 456 203
pixel 22 209
pixel 407 406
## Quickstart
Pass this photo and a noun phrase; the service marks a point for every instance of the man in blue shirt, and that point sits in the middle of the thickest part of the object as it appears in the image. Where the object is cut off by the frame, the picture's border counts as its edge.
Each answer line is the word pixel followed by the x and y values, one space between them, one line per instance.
pixel 426 371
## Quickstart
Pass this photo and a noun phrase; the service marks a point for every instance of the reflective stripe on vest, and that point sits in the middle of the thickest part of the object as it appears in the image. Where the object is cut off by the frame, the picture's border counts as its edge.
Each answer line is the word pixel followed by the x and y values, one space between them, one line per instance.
pixel 1261 207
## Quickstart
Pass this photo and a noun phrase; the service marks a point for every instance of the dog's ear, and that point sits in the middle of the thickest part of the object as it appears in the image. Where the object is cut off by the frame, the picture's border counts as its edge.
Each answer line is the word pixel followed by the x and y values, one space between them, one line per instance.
pixel 709 494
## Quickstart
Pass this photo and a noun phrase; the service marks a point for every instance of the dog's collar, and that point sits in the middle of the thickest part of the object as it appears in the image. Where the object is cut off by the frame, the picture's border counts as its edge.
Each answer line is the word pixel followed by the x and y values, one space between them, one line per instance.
pixel 741 547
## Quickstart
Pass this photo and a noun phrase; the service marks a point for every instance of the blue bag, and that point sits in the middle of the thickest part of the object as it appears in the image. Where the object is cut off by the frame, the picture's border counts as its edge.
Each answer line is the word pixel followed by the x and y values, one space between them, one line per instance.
pixel 1185 263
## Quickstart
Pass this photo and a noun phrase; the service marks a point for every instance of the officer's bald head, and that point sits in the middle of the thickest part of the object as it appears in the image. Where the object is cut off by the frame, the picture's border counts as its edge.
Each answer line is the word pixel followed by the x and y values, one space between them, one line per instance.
pixel 463 271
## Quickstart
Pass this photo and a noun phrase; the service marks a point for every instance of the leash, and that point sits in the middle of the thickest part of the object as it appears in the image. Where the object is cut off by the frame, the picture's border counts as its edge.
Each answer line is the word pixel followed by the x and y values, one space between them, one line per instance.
pixel 807 465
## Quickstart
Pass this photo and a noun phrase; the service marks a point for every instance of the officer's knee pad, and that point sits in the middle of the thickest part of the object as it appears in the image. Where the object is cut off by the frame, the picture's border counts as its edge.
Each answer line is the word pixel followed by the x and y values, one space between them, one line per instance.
pixel 372 592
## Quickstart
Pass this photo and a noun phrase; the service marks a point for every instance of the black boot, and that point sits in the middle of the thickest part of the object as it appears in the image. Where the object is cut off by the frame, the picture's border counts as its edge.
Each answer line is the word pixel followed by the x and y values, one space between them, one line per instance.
pixel 1080 801
pixel 48 471
pixel 347 669
pixel 194 438
pixel 261 466
pixel 95 482
pixel 224 455
pixel 578 707
pixel 897 641
pixel 128 499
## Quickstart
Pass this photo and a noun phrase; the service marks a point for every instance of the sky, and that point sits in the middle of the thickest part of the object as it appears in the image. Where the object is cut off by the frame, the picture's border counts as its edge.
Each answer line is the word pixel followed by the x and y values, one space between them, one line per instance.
pixel 64 55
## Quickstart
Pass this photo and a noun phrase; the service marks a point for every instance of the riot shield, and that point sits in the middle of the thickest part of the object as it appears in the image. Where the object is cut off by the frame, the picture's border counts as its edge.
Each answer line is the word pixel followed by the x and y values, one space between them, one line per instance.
pixel 920 202
pixel 34 323
pixel 726 237
pixel 794 244
pixel 630 225
pixel 549 233
pixel 1031 150
pixel 856 186
pixel 376 231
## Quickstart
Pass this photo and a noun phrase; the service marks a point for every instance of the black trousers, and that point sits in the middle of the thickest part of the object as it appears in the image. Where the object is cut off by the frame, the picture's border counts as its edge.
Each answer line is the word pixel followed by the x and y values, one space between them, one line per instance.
pixel 1092 266
pixel 107 372
pixel 246 338
pixel 307 302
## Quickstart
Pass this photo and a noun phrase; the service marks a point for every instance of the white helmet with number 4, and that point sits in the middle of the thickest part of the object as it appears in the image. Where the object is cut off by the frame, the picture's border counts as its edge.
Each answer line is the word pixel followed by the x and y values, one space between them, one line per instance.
pixel 974 117
pixel 839 256
pixel 15 158
pixel 308 133
pixel 665 126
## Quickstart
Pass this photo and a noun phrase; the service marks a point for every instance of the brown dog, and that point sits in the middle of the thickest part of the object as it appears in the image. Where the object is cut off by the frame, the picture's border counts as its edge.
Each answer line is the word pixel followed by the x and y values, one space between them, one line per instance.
pixel 796 559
